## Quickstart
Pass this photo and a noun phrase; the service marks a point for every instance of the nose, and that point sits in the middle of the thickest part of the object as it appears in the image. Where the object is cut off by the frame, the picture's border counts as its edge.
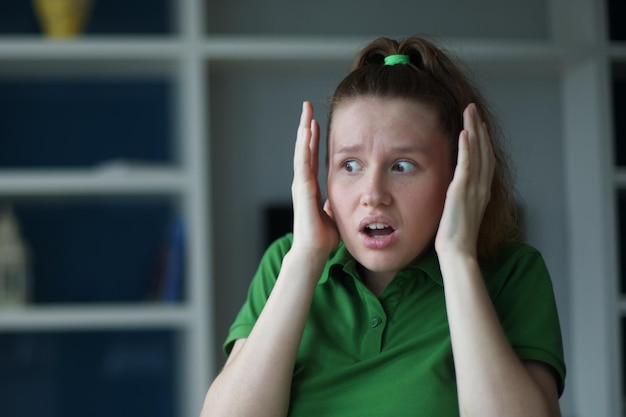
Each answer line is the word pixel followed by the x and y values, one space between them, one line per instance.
pixel 375 190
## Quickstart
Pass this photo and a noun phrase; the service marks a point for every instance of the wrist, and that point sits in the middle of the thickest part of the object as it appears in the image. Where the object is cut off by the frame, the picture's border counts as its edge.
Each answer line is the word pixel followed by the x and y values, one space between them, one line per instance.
pixel 306 260
pixel 456 253
pixel 452 261
pixel 308 252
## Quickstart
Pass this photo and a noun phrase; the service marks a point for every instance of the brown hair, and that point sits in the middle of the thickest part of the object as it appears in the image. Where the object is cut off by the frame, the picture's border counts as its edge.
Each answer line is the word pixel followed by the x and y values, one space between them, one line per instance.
pixel 432 78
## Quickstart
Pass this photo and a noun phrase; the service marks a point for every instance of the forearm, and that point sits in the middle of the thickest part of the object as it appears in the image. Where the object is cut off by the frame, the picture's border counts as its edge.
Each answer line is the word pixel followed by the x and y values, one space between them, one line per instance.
pixel 491 379
pixel 257 381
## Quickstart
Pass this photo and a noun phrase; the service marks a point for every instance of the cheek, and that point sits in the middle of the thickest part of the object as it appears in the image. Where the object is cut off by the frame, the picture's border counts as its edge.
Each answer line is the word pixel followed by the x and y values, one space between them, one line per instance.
pixel 430 198
pixel 442 188
pixel 337 189
pixel 337 199
pixel 438 195
pixel 340 201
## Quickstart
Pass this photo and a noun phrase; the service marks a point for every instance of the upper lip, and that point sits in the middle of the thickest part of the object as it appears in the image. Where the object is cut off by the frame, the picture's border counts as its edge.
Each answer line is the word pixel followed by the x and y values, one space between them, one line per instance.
pixel 373 219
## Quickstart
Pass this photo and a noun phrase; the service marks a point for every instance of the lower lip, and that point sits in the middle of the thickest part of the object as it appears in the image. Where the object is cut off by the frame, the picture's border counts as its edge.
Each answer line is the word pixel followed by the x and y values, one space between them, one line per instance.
pixel 378 242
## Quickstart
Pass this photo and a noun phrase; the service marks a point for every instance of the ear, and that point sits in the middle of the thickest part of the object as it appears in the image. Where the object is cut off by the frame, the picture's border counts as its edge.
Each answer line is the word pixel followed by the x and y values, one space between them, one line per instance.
pixel 328 209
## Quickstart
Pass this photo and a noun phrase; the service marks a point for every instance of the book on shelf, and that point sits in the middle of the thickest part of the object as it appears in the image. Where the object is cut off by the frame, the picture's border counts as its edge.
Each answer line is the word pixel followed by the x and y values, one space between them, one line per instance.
pixel 170 269
pixel 14 261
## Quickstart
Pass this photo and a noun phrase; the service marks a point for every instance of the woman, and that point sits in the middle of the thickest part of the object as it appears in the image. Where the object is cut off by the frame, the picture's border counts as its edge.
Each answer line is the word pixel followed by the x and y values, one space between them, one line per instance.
pixel 403 293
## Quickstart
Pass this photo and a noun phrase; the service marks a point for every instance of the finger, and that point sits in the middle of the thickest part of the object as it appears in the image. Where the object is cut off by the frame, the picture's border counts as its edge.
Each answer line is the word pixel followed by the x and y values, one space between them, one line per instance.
pixel 480 148
pixel 484 152
pixel 487 155
pixel 482 157
pixel 471 125
pixel 307 114
pixel 314 147
pixel 462 170
pixel 302 152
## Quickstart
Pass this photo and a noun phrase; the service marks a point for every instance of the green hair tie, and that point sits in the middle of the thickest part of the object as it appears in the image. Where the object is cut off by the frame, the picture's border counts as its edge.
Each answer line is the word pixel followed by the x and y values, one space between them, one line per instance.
pixel 397 59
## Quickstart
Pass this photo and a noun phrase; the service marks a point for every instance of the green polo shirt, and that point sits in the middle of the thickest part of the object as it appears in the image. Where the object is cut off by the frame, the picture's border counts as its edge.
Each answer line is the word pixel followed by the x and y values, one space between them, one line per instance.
pixel 363 355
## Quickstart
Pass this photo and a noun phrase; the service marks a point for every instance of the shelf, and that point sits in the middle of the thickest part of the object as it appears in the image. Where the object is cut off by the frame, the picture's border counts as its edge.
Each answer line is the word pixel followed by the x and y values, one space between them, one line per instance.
pixel 617 50
pixel 135 181
pixel 244 48
pixel 93 317
pixel 619 178
pixel 531 54
pixel 88 48
pixel 268 48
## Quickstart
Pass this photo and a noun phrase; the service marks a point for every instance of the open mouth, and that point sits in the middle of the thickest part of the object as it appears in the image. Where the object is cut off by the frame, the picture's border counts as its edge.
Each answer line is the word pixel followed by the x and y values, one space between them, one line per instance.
pixel 378 230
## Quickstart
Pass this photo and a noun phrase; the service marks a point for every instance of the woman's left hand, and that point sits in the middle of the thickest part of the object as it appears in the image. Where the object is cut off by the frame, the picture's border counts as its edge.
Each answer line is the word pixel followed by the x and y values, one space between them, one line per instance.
pixel 470 189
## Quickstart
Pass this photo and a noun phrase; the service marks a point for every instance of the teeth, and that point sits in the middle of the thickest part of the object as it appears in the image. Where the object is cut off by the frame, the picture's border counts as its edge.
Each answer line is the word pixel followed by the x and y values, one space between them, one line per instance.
pixel 374 226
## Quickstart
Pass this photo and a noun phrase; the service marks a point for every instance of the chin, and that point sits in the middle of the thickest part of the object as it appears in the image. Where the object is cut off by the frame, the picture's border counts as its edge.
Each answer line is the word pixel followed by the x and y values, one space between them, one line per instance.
pixel 389 262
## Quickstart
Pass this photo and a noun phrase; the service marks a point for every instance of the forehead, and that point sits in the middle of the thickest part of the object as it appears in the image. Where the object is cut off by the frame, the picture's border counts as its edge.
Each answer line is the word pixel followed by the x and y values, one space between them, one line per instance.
pixel 391 122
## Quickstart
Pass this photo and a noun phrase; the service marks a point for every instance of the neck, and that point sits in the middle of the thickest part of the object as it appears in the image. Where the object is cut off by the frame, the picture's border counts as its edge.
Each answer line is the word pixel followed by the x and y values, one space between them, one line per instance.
pixel 375 281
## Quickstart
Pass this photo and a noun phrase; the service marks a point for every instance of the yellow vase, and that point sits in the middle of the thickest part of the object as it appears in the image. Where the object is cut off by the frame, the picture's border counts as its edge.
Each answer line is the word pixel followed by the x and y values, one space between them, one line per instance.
pixel 62 18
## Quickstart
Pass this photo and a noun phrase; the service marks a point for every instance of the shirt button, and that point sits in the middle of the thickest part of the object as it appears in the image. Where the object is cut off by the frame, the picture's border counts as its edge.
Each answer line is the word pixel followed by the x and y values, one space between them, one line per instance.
pixel 375 321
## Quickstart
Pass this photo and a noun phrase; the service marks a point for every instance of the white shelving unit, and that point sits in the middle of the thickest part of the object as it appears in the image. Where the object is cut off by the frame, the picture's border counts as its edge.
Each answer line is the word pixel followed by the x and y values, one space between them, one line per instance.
pixel 597 309
pixel 236 107
pixel 183 182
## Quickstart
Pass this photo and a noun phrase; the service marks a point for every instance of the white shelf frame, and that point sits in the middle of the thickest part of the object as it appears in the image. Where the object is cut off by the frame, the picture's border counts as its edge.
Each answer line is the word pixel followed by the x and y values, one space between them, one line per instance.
pixel 175 57
pixel 268 48
pixel 79 182
pixel 134 48
pixel 94 317
pixel 619 178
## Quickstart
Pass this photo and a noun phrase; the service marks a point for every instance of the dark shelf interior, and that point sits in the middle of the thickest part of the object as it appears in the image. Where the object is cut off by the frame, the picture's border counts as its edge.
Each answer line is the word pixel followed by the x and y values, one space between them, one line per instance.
pixel 73 123
pixel 618 82
pixel 96 374
pixel 616 14
pixel 102 250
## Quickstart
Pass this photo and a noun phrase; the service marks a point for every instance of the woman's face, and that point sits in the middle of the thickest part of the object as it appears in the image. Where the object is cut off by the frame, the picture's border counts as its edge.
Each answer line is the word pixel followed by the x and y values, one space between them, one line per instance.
pixel 388 173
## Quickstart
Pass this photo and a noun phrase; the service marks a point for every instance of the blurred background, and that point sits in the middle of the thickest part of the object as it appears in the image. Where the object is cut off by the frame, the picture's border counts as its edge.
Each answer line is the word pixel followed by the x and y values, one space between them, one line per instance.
pixel 145 163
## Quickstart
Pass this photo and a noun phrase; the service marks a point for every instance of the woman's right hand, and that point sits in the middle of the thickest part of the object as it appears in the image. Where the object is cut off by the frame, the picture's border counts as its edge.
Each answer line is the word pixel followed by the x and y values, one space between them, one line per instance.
pixel 314 229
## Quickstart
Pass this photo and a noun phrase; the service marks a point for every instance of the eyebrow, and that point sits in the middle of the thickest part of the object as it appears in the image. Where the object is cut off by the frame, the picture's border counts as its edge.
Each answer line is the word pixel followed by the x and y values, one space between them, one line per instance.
pixel 412 148
pixel 349 149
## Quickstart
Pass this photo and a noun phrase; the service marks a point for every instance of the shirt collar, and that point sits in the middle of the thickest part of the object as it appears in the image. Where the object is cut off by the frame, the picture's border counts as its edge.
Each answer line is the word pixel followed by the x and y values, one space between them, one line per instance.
pixel 343 260
pixel 339 259
pixel 429 264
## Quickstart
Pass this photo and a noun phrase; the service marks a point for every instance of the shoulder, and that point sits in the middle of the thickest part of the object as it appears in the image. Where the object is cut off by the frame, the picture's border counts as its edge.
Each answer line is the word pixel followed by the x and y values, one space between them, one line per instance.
pixel 512 256
pixel 516 264
pixel 521 289
pixel 281 245
pixel 516 250
pixel 276 251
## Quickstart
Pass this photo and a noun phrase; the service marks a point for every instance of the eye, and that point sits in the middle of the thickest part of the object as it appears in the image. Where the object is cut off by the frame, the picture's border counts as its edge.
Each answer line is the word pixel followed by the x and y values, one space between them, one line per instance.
pixel 351 166
pixel 404 166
